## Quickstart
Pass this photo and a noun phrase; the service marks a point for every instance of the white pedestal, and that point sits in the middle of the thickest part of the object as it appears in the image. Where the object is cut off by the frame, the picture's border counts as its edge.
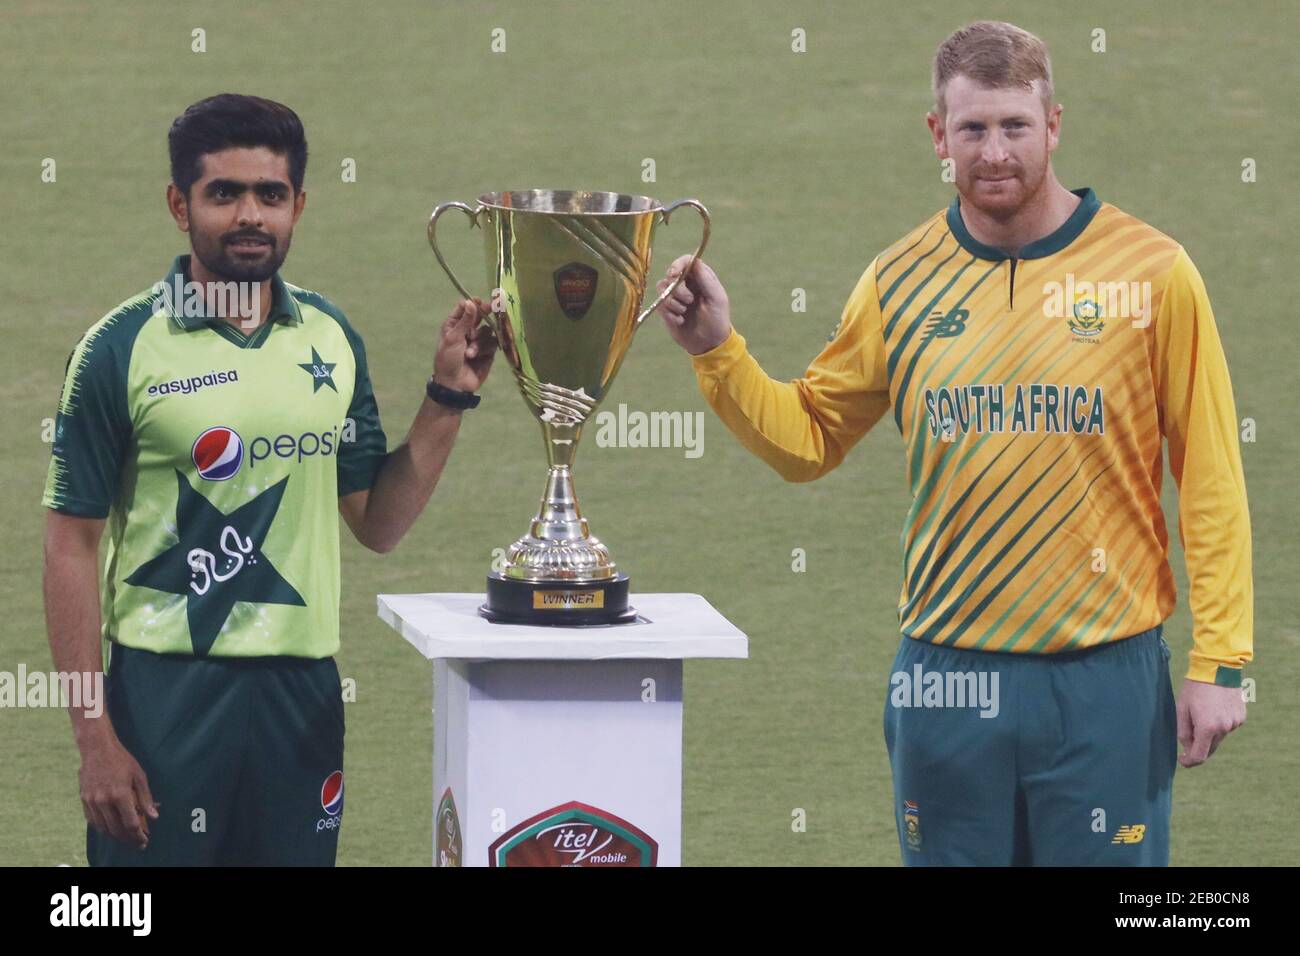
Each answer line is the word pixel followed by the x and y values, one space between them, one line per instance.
pixel 559 746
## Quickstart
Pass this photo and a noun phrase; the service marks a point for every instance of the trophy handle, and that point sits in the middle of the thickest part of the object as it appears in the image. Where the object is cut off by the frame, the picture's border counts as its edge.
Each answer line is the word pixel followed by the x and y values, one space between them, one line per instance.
pixel 433 238
pixel 664 214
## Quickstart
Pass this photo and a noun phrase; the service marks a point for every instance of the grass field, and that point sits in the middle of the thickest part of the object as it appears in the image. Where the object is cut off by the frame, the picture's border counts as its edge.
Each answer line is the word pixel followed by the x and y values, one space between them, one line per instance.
pixel 810 163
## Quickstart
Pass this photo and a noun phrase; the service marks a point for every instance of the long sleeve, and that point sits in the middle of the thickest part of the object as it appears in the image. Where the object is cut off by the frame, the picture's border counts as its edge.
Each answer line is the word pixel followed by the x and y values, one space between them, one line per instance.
pixel 1199 420
pixel 804 428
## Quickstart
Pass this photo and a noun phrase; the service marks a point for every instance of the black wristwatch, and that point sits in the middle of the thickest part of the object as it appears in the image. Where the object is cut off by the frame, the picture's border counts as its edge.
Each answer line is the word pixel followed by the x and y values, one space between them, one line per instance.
pixel 450 397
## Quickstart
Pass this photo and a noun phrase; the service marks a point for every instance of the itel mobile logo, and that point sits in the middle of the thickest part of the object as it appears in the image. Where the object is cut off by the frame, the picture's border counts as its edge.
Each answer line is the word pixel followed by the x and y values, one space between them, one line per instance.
pixel 580 841
pixel 331 801
pixel 574 834
pixel 218 453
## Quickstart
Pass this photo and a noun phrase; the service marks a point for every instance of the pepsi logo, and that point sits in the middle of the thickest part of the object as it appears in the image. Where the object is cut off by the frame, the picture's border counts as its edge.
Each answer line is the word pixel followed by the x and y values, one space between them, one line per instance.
pixel 218 453
pixel 331 794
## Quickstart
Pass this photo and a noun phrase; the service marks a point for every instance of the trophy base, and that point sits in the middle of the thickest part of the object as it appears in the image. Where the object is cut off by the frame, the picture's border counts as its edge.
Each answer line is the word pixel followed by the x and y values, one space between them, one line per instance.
pixel 557 603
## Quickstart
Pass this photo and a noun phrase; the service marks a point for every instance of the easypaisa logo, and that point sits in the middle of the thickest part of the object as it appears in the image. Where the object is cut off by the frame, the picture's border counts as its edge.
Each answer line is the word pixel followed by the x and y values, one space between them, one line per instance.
pixel 193 383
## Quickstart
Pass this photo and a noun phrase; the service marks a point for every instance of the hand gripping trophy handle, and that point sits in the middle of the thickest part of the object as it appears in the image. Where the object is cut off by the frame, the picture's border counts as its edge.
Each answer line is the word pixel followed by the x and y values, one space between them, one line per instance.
pixel 699 250
pixel 433 239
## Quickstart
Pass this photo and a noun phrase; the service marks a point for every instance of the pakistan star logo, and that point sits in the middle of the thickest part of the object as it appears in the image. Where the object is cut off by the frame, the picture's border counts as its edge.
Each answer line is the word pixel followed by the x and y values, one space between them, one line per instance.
pixel 322 372
pixel 218 561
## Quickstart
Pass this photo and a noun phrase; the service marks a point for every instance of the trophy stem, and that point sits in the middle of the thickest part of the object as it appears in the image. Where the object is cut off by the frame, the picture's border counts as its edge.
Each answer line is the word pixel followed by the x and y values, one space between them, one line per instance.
pixel 561 441
pixel 559 517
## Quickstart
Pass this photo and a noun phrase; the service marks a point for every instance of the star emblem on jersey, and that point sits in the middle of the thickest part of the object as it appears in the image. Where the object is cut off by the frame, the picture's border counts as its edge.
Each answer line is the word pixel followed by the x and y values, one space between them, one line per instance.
pixel 218 561
pixel 321 371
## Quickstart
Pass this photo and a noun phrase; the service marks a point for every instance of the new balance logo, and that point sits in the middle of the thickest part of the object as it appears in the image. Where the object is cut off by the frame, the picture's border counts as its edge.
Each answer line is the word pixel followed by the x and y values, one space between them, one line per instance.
pixel 946 325
pixel 1130 833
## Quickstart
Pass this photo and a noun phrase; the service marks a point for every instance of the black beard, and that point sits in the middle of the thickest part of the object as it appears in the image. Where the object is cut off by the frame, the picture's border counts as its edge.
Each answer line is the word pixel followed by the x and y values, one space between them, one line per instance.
pixel 218 260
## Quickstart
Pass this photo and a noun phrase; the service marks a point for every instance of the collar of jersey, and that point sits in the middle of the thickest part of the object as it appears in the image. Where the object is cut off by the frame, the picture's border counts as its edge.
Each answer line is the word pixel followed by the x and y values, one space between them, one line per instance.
pixel 1051 243
pixel 284 307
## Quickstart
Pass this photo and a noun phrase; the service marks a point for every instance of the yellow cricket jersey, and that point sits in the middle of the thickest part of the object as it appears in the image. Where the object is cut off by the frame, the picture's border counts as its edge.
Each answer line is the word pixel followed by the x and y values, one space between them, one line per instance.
pixel 1031 394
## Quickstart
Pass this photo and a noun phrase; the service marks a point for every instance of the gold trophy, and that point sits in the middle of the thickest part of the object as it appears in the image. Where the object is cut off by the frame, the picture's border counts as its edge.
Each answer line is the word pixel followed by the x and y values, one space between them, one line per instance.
pixel 568 272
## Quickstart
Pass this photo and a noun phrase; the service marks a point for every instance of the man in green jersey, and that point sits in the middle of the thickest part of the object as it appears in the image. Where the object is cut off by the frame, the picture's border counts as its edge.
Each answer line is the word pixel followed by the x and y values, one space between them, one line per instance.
pixel 216 422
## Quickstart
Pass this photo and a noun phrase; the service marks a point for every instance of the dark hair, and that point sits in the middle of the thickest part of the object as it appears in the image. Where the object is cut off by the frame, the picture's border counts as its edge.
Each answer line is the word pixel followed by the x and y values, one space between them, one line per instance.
pixel 230 120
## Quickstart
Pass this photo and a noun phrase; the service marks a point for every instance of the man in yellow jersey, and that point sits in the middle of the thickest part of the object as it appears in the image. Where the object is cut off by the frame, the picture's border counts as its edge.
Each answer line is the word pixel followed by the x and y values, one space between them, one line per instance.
pixel 1032 344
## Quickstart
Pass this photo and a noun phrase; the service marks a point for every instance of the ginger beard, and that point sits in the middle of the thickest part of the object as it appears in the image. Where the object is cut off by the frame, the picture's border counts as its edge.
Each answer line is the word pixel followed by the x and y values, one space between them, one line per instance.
pixel 1001 190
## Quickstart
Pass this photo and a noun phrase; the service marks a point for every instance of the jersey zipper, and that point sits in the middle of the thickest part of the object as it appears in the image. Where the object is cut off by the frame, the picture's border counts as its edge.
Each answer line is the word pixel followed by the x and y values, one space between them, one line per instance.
pixel 1011 286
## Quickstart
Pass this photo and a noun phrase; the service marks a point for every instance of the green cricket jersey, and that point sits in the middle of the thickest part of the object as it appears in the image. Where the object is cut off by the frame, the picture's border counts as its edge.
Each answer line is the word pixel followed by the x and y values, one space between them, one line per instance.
pixel 218 459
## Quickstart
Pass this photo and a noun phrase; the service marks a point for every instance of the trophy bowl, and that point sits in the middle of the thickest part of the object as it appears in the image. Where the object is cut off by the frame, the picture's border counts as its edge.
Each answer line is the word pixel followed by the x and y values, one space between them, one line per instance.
pixel 568 273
